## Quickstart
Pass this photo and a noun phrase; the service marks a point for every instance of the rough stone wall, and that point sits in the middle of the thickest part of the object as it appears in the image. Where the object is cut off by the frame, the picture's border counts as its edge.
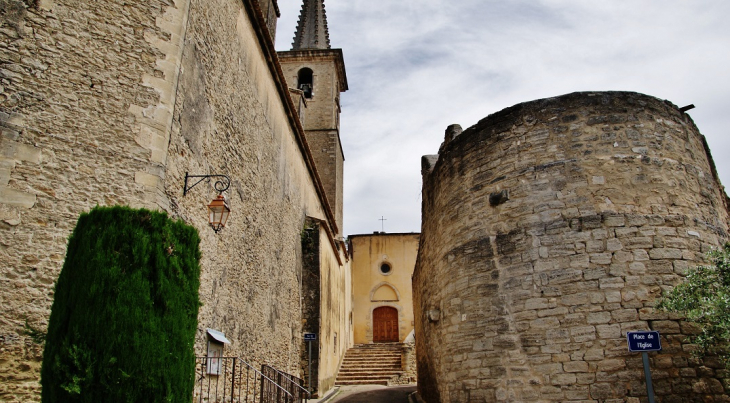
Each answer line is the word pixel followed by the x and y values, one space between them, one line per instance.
pixel 327 152
pixel 270 11
pixel 336 309
pixel 322 108
pixel 322 121
pixel 105 102
pixel 83 103
pixel 229 118
pixel 311 309
pixel 549 229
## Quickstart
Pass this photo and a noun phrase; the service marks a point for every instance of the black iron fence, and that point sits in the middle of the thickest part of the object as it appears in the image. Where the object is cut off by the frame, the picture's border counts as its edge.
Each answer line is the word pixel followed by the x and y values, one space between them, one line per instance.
pixel 288 382
pixel 232 380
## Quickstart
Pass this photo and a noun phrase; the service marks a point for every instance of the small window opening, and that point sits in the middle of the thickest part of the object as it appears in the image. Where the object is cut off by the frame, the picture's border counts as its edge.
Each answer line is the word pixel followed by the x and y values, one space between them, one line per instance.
pixel 305 81
pixel 385 268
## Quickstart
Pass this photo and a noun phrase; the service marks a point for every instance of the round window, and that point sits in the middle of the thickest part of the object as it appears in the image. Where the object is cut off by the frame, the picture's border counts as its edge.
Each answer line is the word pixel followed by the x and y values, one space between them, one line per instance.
pixel 385 268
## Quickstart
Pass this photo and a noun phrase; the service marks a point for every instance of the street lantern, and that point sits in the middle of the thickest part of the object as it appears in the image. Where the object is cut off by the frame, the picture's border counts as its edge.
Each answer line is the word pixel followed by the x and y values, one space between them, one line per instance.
pixel 218 213
pixel 218 210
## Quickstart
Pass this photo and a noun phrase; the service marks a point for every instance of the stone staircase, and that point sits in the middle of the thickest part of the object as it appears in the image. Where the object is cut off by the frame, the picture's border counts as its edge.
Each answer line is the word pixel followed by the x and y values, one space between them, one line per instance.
pixel 371 364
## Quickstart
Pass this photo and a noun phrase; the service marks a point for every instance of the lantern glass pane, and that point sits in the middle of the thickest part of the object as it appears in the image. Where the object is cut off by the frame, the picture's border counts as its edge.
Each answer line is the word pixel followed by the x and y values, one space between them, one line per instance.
pixel 224 215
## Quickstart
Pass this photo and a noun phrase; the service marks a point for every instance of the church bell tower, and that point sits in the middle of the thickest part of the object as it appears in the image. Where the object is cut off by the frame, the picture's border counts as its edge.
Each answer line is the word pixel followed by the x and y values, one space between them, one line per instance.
pixel 318 71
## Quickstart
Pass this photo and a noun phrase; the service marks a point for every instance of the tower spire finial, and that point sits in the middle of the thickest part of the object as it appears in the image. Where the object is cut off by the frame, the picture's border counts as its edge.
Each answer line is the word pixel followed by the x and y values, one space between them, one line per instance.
pixel 312 32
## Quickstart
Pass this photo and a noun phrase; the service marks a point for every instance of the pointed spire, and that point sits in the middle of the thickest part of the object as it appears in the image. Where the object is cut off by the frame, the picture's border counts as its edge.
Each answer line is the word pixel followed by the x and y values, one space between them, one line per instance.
pixel 312 32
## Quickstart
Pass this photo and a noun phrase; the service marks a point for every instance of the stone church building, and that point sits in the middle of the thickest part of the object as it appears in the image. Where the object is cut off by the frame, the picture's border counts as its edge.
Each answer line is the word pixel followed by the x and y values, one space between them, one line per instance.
pixel 382 300
pixel 111 102
pixel 549 228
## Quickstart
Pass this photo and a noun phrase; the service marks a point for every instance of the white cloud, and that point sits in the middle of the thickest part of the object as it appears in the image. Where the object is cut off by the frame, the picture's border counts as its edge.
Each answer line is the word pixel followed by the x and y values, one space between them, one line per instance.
pixel 415 67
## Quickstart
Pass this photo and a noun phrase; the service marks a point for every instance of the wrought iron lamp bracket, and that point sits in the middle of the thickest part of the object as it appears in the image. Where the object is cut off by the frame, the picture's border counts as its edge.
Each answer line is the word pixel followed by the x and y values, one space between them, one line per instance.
pixel 221 185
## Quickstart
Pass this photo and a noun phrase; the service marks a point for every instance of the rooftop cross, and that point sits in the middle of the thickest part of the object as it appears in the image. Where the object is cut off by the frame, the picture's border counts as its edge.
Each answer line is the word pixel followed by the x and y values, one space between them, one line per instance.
pixel 382 220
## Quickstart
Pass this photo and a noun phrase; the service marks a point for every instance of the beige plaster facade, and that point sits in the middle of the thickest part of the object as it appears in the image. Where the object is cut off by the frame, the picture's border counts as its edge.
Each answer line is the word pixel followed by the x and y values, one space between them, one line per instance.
pixel 105 103
pixel 375 286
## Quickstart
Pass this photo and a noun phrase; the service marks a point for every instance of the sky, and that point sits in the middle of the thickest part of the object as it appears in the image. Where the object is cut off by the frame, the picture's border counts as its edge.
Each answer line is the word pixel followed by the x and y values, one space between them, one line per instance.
pixel 415 67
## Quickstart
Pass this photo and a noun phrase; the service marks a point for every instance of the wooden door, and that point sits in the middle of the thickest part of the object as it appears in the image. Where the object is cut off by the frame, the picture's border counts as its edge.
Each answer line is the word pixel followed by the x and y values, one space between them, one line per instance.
pixel 385 325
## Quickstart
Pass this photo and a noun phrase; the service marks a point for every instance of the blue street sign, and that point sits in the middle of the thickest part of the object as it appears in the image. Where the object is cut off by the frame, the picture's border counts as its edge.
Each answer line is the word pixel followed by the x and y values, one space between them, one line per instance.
pixel 644 341
pixel 310 336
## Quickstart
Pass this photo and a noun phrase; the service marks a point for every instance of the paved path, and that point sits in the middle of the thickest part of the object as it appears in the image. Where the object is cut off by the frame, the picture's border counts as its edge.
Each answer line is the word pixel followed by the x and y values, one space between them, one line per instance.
pixel 374 394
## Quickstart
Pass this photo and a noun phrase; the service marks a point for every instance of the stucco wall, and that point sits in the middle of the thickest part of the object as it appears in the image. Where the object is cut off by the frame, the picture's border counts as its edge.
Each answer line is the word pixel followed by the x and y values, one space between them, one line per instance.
pixel 109 103
pixel 549 229
pixel 334 335
pixel 368 253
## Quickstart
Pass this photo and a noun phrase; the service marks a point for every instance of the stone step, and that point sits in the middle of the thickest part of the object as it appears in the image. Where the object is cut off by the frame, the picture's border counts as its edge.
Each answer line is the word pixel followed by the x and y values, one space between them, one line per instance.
pixel 370 364
pixel 385 377
pixel 373 353
pixel 366 360
pixel 370 370
pixel 371 380
pixel 373 367
pixel 365 374
pixel 345 383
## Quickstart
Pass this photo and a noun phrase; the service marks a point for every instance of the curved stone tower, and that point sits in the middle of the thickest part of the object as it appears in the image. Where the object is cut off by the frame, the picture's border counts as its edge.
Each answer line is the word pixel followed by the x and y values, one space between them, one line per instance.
pixel 549 229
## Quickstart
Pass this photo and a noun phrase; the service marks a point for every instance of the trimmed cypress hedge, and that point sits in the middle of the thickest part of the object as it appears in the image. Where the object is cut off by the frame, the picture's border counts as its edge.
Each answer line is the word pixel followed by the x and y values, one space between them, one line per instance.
pixel 124 315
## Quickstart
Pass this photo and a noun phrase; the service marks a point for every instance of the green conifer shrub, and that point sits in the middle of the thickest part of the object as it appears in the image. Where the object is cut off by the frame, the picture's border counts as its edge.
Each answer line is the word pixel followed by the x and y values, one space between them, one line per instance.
pixel 704 299
pixel 125 310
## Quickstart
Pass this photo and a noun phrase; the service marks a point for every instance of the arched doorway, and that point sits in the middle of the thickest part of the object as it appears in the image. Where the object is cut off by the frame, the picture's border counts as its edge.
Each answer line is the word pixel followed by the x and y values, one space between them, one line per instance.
pixel 385 325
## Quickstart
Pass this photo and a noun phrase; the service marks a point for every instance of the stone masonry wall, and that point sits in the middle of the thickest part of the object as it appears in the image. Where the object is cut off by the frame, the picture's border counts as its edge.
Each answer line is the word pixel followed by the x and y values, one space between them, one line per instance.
pixel 106 102
pixel 230 119
pixel 549 229
pixel 84 97
pixel 327 152
pixel 322 117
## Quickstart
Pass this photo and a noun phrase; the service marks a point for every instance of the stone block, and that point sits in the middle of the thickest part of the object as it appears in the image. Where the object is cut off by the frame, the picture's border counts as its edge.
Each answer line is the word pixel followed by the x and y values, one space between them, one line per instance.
pixel 595 246
pixel 641 255
pixel 611 283
pixel 625 315
pixel 560 311
pixel 601 391
pixel 665 253
pixel 595 318
pixel 601 258
pixel 665 326
pixel 609 331
pixel 610 296
pixel 583 333
pixel 545 323
pixel 594 354
pixel 613 244
pixel 575 366
pixel 639 242
pixel 610 365
pixel 614 220
pixel 536 303
pixel 15 198
pixel 549 369
pixel 557 336
pixel 562 379
pixel 594 273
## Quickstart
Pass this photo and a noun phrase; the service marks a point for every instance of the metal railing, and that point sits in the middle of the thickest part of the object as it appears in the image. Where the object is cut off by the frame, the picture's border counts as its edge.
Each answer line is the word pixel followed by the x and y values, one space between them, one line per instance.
pixel 290 383
pixel 233 380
